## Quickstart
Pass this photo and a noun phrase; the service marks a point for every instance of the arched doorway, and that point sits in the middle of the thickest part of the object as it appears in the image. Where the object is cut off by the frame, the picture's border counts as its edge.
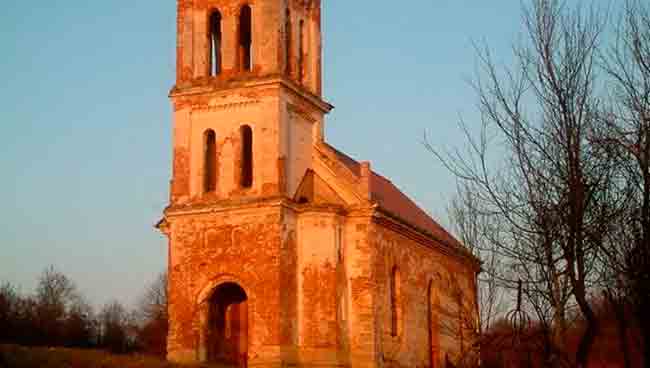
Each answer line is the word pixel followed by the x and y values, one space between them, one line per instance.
pixel 227 326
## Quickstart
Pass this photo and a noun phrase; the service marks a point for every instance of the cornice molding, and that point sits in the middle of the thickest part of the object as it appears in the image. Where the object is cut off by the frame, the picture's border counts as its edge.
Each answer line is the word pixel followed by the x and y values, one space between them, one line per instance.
pixel 227 88
pixel 229 206
pixel 222 206
pixel 212 107
pixel 296 109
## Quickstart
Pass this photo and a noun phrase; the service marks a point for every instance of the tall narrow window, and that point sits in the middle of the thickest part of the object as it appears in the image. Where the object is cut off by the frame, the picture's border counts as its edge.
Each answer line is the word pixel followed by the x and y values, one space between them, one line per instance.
pixel 210 162
pixel 394 301
pixel 461 331
pixel 430 325
pixel 287 41
pixel 215 43
pixel 339 242
pixel 246 38
pixel 301 51
pixel 246 156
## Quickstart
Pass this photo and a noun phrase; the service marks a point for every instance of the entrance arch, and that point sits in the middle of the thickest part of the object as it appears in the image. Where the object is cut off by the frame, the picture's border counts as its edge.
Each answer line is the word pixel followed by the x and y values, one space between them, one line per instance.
pixel 226 327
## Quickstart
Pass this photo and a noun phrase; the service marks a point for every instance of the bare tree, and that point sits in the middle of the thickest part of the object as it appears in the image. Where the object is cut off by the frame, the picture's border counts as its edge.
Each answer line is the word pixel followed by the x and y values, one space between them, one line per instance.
pixel 9 304
pixel 628 254
pixel 550 198
pixel 153 317
pixel 80 331
pixel 114 328
pixel 470 225
pixel 54 289
pixel 55 292
pixel 153 303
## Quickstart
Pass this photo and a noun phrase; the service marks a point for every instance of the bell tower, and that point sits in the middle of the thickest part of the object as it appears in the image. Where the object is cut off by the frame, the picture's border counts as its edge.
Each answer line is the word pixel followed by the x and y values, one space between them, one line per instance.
pixel 247 99
pixel 231 38
pixel 247 122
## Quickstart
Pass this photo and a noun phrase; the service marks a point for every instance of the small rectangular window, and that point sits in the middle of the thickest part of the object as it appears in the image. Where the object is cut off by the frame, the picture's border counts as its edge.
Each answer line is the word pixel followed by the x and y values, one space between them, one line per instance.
pixel 210 162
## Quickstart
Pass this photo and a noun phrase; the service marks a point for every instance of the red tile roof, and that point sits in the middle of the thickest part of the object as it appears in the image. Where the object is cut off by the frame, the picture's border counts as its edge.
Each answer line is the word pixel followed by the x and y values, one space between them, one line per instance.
pixel 396 203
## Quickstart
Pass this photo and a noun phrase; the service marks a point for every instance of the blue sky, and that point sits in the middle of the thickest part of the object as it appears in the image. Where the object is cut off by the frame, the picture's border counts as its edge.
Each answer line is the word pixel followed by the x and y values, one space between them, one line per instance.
pixel 85 122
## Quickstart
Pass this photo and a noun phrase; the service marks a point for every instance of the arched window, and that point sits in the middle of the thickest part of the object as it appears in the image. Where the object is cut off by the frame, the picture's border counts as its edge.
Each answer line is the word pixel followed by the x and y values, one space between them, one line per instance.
pixel 210 162
pixel 246 156
pixel 301 51
pixel 394 301
pixel 215 43
pixel 246 38
pixel 287 40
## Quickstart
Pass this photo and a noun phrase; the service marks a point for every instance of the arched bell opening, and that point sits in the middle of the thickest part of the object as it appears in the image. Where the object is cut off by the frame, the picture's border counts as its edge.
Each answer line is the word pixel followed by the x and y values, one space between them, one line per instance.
pixel 215 36
pixel 226 326
pixel 246 38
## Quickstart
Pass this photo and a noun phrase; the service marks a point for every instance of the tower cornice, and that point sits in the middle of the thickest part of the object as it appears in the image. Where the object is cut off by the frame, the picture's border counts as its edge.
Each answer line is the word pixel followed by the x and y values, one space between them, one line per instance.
pixel 219 87
pixel 230 206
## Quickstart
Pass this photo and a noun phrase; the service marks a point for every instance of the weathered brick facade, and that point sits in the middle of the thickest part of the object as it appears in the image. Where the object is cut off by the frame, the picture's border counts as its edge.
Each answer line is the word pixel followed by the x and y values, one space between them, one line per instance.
pixel 319 261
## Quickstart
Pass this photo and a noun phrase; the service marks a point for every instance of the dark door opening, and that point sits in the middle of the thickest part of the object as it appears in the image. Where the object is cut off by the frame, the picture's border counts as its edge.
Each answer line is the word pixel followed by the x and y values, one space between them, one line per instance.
pixel 228 326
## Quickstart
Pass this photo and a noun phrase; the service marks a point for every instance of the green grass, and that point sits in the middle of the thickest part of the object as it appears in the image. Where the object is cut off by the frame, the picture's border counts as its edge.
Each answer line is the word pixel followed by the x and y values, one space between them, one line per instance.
pixel 12 356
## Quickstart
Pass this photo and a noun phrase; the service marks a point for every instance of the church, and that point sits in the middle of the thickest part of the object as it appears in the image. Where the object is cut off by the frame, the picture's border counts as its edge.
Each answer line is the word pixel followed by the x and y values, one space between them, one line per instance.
pixel 283 250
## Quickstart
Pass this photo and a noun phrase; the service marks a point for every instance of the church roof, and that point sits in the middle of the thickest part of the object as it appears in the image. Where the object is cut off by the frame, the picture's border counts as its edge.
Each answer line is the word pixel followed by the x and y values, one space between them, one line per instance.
pixel 393 201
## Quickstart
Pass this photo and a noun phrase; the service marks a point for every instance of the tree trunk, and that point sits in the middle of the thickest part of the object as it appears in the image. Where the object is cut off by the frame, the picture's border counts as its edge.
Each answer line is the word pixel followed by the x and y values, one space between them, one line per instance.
pixel 589 336
pixel 644 322
pixel 619 309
